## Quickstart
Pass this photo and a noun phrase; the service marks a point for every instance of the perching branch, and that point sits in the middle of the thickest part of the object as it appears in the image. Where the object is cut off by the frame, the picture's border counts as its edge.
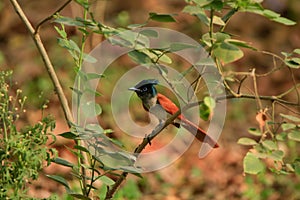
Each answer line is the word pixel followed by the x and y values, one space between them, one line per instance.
pixel 49 67
pixel 147 140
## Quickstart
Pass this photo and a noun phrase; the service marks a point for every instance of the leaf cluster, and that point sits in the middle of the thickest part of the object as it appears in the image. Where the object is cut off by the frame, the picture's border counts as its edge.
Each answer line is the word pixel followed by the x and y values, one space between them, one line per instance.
pixel 22 152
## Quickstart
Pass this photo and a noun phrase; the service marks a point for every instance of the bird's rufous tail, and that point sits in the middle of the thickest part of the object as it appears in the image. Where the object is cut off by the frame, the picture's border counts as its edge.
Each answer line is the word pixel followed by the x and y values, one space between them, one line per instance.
pixel 198 132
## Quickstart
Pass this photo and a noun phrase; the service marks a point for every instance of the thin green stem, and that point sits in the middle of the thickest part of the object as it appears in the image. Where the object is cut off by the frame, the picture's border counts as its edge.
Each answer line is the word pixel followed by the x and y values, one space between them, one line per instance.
pixel 82 160
pixel 211 30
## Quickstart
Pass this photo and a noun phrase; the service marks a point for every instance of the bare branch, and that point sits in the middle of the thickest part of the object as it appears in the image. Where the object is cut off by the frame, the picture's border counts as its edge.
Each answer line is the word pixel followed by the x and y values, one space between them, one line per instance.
pixel 51 16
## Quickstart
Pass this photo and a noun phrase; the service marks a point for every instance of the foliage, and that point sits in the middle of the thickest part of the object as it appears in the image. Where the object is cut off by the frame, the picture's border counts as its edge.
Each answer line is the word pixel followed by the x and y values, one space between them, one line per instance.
pixel 96 163
pixel 22 152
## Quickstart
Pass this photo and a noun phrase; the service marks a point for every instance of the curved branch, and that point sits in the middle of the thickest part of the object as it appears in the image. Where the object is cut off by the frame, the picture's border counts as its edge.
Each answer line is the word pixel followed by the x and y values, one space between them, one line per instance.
pixel 51 16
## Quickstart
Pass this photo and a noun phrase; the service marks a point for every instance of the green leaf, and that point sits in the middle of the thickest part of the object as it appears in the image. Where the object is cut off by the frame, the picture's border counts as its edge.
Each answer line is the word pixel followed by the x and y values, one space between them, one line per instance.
pixel 198 11
pixel 73 46
pixel 133 26
pixel 284 21
pixel 203 3
pixel 91 109
pixel 157 54
pixel 210 102
pixel 68 21
pixel 204 112
pixel 277 155
pixel 221 37
pixel 91 76
pixel 92 91
pixel 297 51
pixel 149 33
pixel 81 148
pixel 131 169
pixel 89 58
pixel 269 144
pixel 69 135
pixel 217 5
pixel 296 165
pixel 193 10
pixel 294 135
pixel 281 136
pixel 139 57
pixel 94 127
pixel 241 44
pixel 106 180
pixel 227 52
pixel 180 46
pixel 270 14
pixel 254 131
pixel 203 18
pixel 292 62
pixel 61 32
pixel 218 21
pixel 62 161
pixel 162 17
pixel 246 141
pixel 287 126
pixel 290 117
pixel 83 3
pixel 166 59
pixel 60 180
pixel 251 164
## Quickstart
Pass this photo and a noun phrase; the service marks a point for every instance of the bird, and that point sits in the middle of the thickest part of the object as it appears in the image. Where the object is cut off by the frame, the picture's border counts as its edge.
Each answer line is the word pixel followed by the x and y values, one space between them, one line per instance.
pixel 161 106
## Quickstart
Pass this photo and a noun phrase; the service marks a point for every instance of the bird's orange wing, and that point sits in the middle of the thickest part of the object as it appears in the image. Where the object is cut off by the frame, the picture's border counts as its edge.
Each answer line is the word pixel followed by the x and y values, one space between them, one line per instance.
pixel 167 105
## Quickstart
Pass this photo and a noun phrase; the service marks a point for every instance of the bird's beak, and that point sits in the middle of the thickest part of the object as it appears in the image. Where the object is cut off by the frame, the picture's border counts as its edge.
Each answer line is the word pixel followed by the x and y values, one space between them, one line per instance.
pixel 133 89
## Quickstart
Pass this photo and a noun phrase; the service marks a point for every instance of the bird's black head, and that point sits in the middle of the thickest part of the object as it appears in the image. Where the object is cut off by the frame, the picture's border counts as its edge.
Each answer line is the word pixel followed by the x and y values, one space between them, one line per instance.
pixel 145 89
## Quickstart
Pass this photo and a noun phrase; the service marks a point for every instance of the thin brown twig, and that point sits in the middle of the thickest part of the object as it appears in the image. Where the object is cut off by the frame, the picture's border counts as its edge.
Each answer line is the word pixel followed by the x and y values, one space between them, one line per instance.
pixel 51 16
pixel 295 84
pixel 241 83
pixel 255 88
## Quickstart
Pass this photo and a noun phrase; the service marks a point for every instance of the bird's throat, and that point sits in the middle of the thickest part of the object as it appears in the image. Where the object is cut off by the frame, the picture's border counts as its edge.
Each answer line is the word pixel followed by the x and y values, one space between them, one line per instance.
pixel 148 103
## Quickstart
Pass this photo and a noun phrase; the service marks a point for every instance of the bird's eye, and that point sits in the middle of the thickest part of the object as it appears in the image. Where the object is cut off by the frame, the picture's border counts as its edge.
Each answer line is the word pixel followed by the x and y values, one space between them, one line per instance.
pixel 145 89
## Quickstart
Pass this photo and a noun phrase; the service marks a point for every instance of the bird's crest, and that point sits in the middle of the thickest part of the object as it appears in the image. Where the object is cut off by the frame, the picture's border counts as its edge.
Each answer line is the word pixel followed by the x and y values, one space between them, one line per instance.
pixel 146 82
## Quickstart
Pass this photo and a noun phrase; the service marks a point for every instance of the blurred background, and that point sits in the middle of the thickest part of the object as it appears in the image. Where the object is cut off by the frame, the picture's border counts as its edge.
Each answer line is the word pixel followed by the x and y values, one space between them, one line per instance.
pixel 218 176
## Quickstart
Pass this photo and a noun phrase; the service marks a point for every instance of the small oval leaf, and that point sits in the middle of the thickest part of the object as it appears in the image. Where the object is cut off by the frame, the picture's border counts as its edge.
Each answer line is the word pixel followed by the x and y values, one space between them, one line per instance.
pixel 252 165
pixel 255 131
pixel 246 141
pixel 106 180
pixel 294 135
pixel 290 117
pixel 69 135
pixel 62 161
pixel 59 179
pixel 162 17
